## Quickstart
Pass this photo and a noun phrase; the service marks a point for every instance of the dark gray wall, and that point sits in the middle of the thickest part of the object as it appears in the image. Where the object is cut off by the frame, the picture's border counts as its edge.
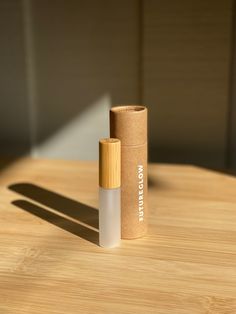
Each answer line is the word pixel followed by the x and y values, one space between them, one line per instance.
pixel 187 47
pixel 14 120
pixel 64 63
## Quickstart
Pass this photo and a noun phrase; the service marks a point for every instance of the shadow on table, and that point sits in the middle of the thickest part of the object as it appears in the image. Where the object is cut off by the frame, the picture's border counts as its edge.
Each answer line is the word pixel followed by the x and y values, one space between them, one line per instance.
pixel 80 213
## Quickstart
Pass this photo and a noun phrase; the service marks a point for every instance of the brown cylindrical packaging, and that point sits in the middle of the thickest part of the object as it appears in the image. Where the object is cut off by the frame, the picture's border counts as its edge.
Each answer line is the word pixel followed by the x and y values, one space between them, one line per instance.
pixel 129 124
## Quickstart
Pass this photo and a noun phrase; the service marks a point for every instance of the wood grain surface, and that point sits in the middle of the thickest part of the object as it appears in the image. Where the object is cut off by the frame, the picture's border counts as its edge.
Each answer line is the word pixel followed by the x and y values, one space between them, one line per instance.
pixel 50 261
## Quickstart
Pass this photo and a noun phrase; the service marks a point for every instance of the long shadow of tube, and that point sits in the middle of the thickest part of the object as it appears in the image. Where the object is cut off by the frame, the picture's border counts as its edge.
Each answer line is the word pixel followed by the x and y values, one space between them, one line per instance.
pixel 74 209
pixel 59 221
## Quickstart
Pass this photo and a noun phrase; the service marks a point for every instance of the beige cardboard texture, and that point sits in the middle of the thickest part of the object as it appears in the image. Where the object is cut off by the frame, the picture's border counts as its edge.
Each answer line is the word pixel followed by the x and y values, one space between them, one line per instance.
pixel 129 124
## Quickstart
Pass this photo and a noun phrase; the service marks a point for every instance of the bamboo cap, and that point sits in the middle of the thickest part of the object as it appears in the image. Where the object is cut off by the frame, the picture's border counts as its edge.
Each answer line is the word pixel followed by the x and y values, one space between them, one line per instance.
pixel 109 163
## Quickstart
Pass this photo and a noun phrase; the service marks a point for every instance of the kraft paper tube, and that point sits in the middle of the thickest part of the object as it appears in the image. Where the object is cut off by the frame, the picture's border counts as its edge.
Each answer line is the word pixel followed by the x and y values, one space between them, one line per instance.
pixel 129 124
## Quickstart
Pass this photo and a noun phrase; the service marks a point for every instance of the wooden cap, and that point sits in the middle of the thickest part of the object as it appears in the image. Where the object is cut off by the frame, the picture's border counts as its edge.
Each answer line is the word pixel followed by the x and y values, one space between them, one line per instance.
pixel 109 163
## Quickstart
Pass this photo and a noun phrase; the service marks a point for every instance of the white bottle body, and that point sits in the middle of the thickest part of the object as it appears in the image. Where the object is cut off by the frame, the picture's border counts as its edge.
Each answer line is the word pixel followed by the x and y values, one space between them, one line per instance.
pixel 109 217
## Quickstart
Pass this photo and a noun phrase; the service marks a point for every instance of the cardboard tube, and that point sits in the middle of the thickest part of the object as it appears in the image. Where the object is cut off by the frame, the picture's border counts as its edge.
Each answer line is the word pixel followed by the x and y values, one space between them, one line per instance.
pixel 129 124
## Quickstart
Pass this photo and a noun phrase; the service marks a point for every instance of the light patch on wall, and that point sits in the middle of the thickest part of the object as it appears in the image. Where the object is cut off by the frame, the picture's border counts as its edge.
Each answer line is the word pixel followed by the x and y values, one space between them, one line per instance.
pixel 78 139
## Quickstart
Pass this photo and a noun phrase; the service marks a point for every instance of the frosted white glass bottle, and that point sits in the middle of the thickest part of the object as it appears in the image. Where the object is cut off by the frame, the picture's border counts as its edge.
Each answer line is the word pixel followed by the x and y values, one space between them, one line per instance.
pixel 109 193
pixel 109 217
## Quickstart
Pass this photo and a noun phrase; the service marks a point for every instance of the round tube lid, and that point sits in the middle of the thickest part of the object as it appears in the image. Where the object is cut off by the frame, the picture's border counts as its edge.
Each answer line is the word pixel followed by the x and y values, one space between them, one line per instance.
pixel 129 124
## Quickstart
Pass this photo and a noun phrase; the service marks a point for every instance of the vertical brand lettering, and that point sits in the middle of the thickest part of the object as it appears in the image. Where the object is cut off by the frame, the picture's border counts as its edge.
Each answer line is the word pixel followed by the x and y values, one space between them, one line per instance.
pixel 140 193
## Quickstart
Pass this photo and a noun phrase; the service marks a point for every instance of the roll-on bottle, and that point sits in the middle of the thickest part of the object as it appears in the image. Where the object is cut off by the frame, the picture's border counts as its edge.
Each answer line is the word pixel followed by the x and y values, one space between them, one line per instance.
pixel 109 192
